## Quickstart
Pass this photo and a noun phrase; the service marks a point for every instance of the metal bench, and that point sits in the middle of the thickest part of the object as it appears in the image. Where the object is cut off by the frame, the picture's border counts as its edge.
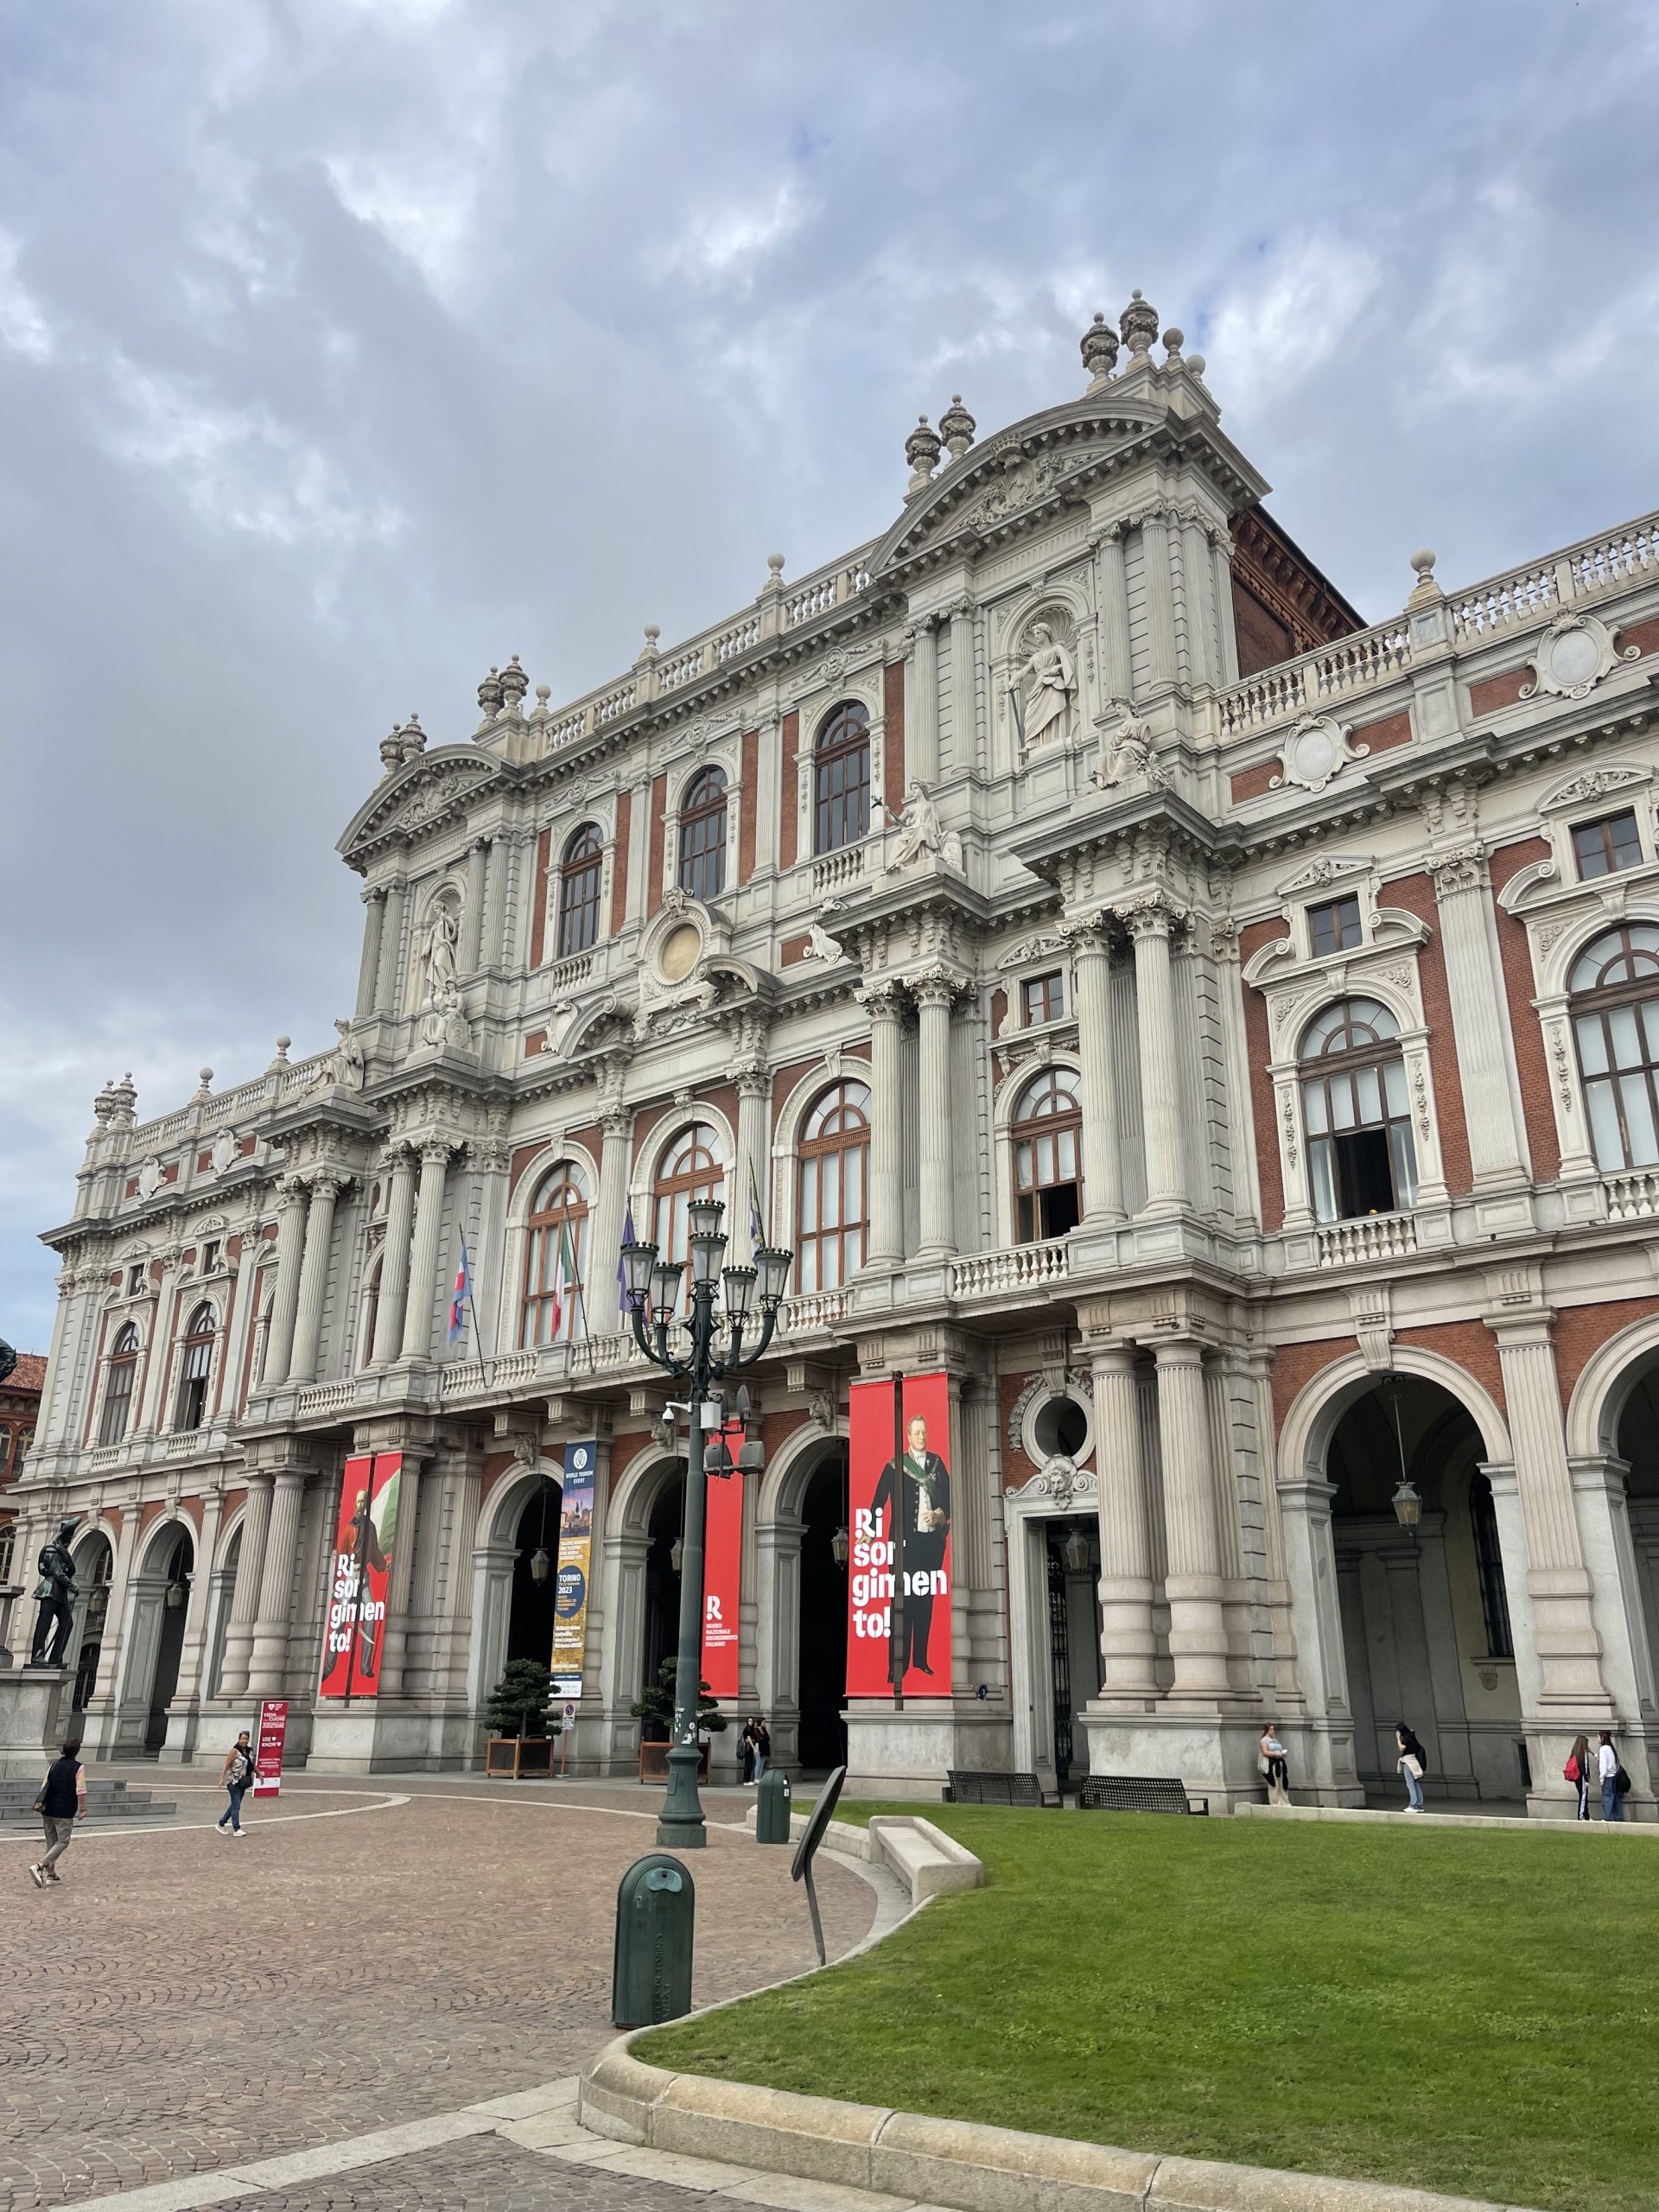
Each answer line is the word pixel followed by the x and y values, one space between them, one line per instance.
pixel 974 1786
pixel 1136 1793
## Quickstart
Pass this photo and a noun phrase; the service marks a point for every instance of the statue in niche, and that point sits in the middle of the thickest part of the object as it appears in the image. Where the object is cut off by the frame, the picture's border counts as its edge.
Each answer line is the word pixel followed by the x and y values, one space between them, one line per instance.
pixel 437 946
pixel 1126 752
pixel 1052 676
pixel 344 1069
pixel 443 1021
pixel 920 830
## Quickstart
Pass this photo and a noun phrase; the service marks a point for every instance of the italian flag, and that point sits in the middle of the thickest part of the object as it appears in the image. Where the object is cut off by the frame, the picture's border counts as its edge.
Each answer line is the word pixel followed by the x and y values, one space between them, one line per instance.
pixel 565 1275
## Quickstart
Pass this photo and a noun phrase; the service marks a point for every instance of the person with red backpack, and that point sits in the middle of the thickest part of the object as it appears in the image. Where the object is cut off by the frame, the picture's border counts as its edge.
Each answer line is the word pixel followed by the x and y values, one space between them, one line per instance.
pixel 1577 1771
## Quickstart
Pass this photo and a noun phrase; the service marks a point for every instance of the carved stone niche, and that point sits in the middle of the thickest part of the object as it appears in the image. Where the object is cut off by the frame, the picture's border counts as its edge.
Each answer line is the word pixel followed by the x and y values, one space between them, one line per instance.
pixel 686 964
pixel 1573 655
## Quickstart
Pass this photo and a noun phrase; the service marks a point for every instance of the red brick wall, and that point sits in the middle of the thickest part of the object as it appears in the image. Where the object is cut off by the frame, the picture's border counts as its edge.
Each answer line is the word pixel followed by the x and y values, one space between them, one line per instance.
pixel 538 919
pixel 1581 1331
pixel 1263 640
pixel 786 792
pixel 619 860
pixel 749 810
pixel 1468 1344
pixel 1016 1467
pixel 792 951
pixel 1252 782
pixel 1385 735
pixel 1495 691
pixel 1644 636
pixel 1416 893
pixel 522 1156
pixel 657 831
pixel 1259 1046
pixel 1531 1062
pixel 999 1010
pixel 893 743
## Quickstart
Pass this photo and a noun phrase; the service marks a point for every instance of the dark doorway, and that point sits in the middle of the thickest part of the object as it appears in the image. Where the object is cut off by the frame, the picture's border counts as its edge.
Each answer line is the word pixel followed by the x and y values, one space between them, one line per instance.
pixel 176 1610
pixel 92 1571
pixel 1072 1555
pixel 823 1622
pixel 529 1623
pixel 662 1579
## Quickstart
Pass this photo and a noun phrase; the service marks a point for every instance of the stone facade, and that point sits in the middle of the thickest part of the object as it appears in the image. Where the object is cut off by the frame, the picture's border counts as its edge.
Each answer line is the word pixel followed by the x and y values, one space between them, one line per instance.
pixel 1236 1083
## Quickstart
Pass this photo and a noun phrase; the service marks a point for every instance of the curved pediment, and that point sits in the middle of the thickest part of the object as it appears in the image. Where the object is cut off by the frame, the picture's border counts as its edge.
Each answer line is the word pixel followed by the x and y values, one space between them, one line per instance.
pixel 432 788
pixel 1009 477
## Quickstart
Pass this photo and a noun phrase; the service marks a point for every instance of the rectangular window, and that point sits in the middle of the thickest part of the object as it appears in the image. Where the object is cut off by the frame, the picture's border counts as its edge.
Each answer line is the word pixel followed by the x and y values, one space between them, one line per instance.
pixel 135 1280
pixel 210 1256
pixel 1042 998
pixel 1607 846
pixel 1334 927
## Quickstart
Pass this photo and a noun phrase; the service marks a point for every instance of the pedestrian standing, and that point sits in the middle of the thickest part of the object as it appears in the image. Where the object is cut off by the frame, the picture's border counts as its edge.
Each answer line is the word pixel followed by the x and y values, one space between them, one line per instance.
pixel 746 1753
pixel 61 1802
pixel 762 1746
pixel 1577 1771
pixel 1614 1780
pixel 1413 1762
pixel 1276 1765
pixel 235 1775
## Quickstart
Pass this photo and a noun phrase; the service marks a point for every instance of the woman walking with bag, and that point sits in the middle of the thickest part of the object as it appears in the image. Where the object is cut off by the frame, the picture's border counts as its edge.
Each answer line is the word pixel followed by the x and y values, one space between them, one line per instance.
pixel 236 1775
pixel 61 1802
pixel 1577 1771
pixel 1412 1763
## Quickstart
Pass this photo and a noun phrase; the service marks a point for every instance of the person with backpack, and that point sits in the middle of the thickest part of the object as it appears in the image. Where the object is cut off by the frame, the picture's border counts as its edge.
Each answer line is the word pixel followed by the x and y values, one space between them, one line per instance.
pixel 236 1775
pixel 1614 1780
pixel 1577 1771
pixel 1412 1763
pixel 61 1802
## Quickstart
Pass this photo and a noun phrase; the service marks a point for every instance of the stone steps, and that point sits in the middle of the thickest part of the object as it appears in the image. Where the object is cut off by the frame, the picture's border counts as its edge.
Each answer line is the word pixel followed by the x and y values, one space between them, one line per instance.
pixel 104 1801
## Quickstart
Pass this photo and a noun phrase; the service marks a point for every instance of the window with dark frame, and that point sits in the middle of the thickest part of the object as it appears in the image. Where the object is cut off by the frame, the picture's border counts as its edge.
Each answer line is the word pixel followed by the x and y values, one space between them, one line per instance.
pixel 1489 1566
pixel 210 1258
pixel 118 1386
pixel 195 1368
pixel 1361 1159
pixel 1614 984
pixel 135 1280
pixel 1042 998
pixel 841 778
pixel 1334 926
pixel 832 1228
pixel 1603 847
pixel 689 1169
pixel 702 837
pixel 580 873
pixel 554 1254
pixel 1047 1136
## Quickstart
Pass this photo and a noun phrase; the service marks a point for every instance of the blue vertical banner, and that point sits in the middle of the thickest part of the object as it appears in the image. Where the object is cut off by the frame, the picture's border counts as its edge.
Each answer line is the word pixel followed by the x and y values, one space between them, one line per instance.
pixel 570 1582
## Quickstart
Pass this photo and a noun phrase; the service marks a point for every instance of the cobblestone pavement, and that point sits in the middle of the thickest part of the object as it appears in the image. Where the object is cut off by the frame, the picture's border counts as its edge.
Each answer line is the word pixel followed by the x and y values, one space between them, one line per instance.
pixel 484 2172
pixel 184 2003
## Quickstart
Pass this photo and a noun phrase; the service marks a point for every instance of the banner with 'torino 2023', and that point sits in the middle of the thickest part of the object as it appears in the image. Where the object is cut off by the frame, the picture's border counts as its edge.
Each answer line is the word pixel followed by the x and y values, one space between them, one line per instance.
pixel 912 1480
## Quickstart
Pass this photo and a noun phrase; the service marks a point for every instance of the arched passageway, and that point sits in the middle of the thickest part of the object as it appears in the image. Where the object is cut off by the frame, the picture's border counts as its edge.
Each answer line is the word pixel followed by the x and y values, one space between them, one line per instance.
pixel 535 1574
pixel 821 1650
pixel 94 1566
pixel 1426 1632
pixel 661 1636
pixel 1638 1447
pixel 162 1609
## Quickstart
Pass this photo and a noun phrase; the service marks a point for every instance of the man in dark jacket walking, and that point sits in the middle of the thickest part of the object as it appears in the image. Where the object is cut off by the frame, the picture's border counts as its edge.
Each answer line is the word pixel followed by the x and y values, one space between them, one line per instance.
pixel 61 1802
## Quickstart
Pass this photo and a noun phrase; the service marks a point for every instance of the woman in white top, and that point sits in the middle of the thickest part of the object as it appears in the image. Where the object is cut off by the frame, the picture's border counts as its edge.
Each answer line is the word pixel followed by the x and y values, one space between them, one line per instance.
pixel 1612 1804
pixel 1275 1765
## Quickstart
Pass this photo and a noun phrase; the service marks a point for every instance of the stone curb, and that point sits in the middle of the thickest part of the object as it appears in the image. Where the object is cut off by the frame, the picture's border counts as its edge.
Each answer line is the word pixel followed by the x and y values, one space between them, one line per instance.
pixel 959 2165
pixel 1363 1816
pixel 927 1860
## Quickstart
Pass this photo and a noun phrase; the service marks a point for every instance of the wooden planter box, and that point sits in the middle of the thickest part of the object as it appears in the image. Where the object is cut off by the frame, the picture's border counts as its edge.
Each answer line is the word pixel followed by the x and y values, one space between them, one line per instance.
pixel 653 1761
pixel 514 1758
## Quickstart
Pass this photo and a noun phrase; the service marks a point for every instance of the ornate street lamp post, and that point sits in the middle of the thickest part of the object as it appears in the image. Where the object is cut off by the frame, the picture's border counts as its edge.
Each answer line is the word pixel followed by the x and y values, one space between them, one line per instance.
pixel 651 1286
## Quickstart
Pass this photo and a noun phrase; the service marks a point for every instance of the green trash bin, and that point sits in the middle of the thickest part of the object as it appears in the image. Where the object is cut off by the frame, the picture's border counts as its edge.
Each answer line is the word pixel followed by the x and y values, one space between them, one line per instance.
pixel 655 1914
pixel 771 1807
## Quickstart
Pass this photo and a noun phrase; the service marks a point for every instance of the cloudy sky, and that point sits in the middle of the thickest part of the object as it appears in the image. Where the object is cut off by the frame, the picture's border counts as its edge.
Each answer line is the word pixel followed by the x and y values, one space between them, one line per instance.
pixel 347 347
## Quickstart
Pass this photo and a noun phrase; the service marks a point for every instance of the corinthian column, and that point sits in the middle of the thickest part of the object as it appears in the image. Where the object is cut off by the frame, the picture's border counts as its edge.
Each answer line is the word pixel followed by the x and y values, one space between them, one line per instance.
pixel 934 994
pixel 471 912
pixel 606 1221
pixel 423 1263
pixel 374 900
pixel 1102 1179
pixel 244 1598
pixel 964 716
pixel 886 1249
pixel 922 720
pixel 391 946
pixel 285 1299
pixel 269 1662
pixel 1496 1149
pixel 1150 923
pixel 1198 1633
pixel 394 1267
pixel 313 1276
pixel 753 1149
pixel 1127 1642
pixel 1159 604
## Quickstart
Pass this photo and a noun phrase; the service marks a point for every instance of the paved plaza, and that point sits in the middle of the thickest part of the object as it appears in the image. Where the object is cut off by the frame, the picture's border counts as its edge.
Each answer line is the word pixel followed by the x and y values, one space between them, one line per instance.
pixel 374 1954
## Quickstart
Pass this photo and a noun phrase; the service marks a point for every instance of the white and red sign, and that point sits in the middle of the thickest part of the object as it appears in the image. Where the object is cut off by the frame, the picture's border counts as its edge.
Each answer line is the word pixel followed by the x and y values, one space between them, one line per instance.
pixel 723 1573
pixel 269 1739
pixel 898 1466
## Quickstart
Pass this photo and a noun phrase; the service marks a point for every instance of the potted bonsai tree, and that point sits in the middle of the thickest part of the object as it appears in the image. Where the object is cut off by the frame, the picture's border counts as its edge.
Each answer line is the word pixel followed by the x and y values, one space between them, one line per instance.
pixel 519 1742
pixel 654 1710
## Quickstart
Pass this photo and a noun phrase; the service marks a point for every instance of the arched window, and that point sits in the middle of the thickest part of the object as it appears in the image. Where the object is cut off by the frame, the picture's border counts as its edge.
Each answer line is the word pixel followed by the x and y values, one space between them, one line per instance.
pixel 554 1256
pixel 581 873
pixel 702 837
pixel 1615 987
pixel 5 1444
pixel 689 1169
pixel 1489 1563
pixel 841 779
pixel 117 1385
pixel 1360 1155
pixel 1047 1175
pixel 195 1368
pixel 833 1229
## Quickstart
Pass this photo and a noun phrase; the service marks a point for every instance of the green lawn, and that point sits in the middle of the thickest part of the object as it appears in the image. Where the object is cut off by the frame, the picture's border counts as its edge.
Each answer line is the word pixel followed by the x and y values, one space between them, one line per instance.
pixel 1465 2011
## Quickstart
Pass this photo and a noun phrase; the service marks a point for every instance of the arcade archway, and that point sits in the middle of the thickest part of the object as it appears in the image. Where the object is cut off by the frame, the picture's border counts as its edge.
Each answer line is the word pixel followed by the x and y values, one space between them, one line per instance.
pixel 536 1544
pixel 94 1568
pixel 821 1654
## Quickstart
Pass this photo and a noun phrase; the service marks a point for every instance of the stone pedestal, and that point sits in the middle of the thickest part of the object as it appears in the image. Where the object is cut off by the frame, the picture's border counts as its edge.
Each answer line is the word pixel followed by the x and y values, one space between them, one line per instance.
pixel 1211 1755
pixel 31 1699
pixel 907 1754
pixel 375 1736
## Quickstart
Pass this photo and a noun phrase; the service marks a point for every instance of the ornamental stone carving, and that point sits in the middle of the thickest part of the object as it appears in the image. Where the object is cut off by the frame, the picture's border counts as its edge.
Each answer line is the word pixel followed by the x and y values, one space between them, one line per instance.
pixel 1317 748
pixel 1574 654
pixel 1045 688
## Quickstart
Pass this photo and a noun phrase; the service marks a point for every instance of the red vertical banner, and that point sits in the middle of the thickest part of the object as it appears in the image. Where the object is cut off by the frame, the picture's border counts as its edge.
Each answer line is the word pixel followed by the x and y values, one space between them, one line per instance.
pixel 269 1739
pixel 919 1476
pixel 723 1573
pixel 364 1541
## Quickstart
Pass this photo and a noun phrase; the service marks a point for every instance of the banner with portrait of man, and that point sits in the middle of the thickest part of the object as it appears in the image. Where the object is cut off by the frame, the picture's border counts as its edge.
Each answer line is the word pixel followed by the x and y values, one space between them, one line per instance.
pixel 899 1481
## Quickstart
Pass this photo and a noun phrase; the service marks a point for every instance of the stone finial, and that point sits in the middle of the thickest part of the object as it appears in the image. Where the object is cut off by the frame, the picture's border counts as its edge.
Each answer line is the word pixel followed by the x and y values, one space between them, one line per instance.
pixel 204 1082
pixel 1196 365
pixel 490 695
pixel 514 684
pixel 1173 342
pixel 922 450
pixel 956 428
pixel 1139 326
pixel 391 752
pixel 541 712
pixel 113 1106
pixel 653 631
pixel 279 1058
pixel 1099 348
pixel 1426 591
pixel 413 737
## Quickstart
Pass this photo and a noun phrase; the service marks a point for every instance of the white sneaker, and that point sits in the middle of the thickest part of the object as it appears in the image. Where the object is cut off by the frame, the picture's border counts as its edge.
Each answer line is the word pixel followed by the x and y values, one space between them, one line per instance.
pixel 241 1834
pixel 37 1875
pixel 219 1828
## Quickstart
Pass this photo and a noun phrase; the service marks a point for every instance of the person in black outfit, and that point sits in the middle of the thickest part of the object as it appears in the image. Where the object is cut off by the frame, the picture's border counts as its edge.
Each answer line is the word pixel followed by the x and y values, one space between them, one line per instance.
pixel 61 1802
pixel 926 1483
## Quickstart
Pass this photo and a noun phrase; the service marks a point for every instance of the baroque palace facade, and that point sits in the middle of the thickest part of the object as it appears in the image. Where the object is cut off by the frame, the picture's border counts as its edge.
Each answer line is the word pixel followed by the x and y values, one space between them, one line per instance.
pixel 1219 1037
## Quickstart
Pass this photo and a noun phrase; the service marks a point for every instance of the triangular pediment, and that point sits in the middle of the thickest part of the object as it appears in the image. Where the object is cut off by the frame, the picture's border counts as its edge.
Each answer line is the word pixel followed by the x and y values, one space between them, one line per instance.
pixel 426 790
